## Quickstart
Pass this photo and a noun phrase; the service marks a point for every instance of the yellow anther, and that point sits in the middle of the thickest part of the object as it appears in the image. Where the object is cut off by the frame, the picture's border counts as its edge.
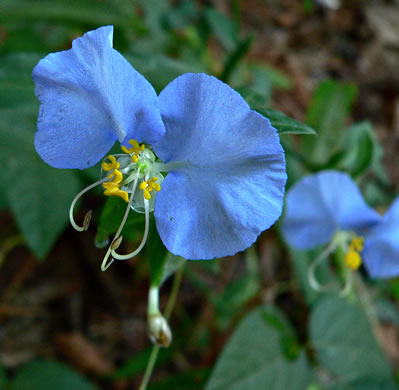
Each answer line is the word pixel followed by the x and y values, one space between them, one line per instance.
pixel 115 177
pixel 112 186
pixel 112 165
pixel 134 150
pixel 112 189
pixel 148 185
pixel 357 243
pixel 353 259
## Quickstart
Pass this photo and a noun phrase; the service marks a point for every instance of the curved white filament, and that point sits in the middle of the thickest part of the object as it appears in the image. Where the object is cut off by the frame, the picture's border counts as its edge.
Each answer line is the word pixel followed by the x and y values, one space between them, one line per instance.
pixel 104 265
pixel 88 216
pixel 117 256
pixel 312 269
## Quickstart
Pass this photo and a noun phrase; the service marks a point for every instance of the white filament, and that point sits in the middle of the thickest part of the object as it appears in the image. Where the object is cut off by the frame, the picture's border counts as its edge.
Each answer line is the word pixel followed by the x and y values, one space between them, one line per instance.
pixel 104 265
pixel 86 224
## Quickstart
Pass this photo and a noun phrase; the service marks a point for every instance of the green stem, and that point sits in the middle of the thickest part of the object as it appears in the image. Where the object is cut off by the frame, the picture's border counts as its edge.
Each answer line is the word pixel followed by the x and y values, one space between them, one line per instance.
pixel 169 307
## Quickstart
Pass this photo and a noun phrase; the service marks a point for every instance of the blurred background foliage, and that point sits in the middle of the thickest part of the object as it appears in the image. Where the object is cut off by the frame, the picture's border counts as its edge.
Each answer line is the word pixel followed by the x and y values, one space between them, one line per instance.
pixel 250 321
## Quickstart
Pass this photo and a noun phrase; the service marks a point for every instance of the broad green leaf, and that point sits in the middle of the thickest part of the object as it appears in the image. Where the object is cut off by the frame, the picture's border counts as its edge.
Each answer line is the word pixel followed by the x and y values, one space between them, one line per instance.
pixel 253 358
pixel 368 383
pixel 344 343
pixel 49 375
pixel 327 114
pixel 284 124
pixel 39 195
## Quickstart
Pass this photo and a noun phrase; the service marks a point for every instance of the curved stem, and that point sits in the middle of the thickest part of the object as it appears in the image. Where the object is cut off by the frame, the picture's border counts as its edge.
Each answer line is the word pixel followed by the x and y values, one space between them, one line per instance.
pixel 312 269
pixel 117 256
pixel 87 218
pixel 169 307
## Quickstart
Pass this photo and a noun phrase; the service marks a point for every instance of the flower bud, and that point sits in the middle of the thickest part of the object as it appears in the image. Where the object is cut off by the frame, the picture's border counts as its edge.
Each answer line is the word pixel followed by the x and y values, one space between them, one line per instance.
pixel 159 330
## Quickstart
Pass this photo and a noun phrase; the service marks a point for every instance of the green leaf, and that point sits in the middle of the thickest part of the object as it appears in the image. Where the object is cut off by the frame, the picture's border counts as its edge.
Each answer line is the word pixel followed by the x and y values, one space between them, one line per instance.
pixel 235 57
pixel 225 30
pixel 327 113
pixel 367 384
pixel 284 124
pixel 253 358
pixel 39 195
pixel 344 343
pixel 358 150
pixel 49 375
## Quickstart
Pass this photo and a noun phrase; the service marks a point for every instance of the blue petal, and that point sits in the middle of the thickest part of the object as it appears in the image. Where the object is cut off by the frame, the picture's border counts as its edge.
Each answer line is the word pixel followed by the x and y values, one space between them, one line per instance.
pixel 320 204
pixel 90 97
pixel 381 247
pixel 228 170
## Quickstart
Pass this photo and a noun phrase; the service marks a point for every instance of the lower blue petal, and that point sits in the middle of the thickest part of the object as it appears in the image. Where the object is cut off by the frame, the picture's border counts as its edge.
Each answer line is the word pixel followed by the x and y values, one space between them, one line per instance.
pixel 228 170
pixel 90 97
pixel 320 204
pixel 381 248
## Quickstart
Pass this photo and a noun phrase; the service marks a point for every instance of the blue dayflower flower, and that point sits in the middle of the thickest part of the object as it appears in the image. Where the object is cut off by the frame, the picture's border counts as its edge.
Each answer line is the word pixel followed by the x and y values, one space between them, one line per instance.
pixel 328 207
pixel 381 247
pixel 90 97
pixel 227 170
pixel 215 179
pixel 319 205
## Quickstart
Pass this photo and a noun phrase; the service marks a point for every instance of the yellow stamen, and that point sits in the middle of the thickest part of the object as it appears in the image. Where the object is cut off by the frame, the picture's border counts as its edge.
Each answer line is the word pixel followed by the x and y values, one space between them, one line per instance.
pixel 134 150
pixel 357 243
pixel 112 186
pixel 109 166
pixel 353 259
pixel 148 185
pixel 115 177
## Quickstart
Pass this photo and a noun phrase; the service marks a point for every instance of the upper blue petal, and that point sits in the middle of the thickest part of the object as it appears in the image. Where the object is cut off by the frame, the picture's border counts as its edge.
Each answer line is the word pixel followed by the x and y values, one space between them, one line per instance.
pixel 90 97
pixel 320 204
pixel 228 177
pixel 381 247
